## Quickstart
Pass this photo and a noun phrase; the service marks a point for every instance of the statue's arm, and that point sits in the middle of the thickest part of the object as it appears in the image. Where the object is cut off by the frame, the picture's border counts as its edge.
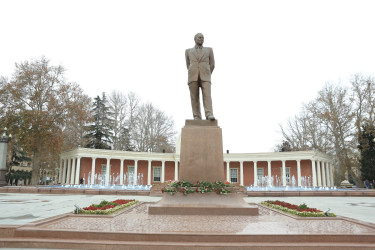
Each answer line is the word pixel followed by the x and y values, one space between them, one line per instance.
pixel 212 60
pixel 187 58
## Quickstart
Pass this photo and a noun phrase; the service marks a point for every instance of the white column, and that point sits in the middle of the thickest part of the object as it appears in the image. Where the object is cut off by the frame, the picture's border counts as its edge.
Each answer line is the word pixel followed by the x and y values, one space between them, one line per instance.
pixel 241 173
pixel 331 172
pixel 73 171
pixel 175 170
pixel 255 174
pixel 313 172
pixel 136 170
pixel 78 170
pixel 323 173
pixel 228 172
pixel 107 172
pixel 328 176
pixel 319 175
pixel 149 173
pixel 283 173
pixel 64 172
pixel 68 173
pixel 93 171
pixel 269 169
pixel 121 171
pixel 162 171
pixel 299 172
pixel 61 166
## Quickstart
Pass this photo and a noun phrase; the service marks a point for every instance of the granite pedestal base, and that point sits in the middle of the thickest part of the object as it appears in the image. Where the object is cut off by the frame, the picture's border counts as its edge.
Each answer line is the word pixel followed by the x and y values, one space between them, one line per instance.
pixel 202 204
pixel 201 156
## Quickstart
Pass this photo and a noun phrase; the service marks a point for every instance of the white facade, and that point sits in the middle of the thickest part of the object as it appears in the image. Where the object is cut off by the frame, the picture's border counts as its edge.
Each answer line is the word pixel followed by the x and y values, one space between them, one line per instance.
pixel 321 164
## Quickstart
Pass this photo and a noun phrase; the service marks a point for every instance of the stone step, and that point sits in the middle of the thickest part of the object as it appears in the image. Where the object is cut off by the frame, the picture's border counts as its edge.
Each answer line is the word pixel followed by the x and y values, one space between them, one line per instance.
pixel 115 244
pixel 37 233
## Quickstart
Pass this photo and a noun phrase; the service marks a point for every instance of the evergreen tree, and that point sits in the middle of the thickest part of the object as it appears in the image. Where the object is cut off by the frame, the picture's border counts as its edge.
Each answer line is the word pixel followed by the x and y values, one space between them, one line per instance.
pixel 367 148
pixel 100 132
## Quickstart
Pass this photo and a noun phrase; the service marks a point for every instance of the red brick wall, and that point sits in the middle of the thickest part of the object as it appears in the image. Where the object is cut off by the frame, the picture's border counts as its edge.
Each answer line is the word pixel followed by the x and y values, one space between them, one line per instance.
pixel 169 171
pixel 248 172
pixel 306 168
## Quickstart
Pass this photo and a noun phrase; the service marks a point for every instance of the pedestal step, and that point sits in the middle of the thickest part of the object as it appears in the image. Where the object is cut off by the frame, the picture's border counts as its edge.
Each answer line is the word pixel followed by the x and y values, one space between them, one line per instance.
pixel 203 204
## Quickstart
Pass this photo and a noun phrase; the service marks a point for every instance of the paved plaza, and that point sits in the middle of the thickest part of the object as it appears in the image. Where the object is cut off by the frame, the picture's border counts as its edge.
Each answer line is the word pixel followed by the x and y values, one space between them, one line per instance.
pixel 21 208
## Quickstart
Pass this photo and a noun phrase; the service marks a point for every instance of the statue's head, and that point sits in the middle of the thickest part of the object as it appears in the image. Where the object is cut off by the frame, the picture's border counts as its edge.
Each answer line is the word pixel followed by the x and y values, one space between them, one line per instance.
pixel 199 39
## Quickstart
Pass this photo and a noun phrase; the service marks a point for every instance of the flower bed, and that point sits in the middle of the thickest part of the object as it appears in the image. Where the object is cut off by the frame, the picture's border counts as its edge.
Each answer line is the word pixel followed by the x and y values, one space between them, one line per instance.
pixel 106 207
pixel 186 187
pixel 302 210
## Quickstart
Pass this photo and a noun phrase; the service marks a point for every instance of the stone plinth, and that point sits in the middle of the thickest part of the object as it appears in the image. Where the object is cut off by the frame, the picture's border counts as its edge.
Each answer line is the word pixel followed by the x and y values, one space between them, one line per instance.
pixel 203 204
pixel 201 156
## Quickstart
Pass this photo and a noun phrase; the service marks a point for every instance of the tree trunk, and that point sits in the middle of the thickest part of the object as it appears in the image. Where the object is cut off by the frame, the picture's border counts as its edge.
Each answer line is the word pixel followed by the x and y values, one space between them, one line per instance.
pixel 36 169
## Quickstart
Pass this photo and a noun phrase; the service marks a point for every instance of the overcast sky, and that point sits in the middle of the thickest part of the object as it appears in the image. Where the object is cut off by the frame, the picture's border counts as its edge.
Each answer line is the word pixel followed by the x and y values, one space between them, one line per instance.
pixel 271 56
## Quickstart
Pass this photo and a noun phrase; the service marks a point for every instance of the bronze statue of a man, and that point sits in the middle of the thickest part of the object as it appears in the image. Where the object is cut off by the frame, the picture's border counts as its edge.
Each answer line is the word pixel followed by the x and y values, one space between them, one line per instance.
pixel 200 63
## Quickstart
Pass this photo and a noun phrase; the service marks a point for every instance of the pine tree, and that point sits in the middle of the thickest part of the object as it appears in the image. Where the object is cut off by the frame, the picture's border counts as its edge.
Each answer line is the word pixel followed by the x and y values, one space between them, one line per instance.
pixel 367 148
pixel 100 132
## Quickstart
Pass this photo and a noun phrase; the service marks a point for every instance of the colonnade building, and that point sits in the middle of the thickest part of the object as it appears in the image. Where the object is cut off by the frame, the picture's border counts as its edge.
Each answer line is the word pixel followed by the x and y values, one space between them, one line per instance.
pixel 246 169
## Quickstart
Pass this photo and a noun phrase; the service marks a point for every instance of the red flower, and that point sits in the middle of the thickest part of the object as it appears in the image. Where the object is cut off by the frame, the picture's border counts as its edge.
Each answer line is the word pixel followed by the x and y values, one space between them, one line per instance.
pixel 217 190
pixel 122 202
pixel 117 202
pixel 162 190
pixel 99 208
pixel 197 190
pixel 293 207
pixel 227 182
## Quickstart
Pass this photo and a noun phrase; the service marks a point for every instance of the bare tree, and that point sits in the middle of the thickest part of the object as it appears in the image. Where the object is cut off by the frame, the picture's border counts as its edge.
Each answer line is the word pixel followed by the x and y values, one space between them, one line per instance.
pixel 334 109
pixel 118 104
pixel 327 124
pixel 77 113
pixel 305 131
pixel 153 130
pixel 363 98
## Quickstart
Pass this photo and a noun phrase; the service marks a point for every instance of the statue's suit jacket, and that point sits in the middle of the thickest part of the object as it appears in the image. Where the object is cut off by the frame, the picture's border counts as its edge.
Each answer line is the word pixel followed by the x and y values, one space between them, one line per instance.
pixel 201 65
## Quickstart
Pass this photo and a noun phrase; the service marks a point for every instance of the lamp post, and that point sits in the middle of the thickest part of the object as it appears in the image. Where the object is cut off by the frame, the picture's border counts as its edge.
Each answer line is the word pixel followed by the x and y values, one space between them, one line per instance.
pixel 4 139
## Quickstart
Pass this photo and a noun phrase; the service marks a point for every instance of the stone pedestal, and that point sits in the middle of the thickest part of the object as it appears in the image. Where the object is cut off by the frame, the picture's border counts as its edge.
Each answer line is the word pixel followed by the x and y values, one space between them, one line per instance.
pixel 203 204
pixel 201 156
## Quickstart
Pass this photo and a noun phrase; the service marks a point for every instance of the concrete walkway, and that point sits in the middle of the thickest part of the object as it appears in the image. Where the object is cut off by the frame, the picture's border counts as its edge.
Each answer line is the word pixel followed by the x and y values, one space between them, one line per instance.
pixel 21 208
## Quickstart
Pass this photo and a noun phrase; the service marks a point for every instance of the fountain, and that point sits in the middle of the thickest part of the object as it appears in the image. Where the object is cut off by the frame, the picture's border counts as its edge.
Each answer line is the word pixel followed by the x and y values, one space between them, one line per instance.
pixel 274 183
pixel 129 181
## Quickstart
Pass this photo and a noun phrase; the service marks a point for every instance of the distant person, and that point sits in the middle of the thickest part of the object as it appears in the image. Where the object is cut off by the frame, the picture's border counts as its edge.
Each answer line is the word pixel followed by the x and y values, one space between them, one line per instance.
pixel 81 181
pixel 367 184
